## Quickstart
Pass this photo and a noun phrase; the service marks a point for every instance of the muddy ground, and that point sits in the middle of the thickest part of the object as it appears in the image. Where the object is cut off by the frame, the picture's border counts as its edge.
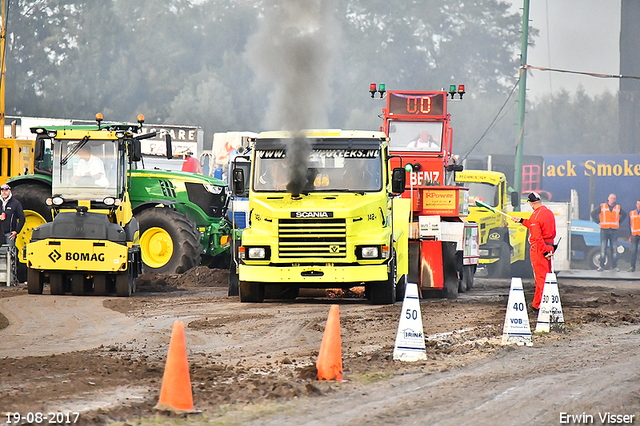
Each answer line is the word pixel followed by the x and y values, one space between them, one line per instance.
pixel 104 357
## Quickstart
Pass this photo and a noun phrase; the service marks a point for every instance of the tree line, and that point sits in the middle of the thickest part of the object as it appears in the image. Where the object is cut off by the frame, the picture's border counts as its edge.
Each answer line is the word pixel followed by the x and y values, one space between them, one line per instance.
pixel 251 65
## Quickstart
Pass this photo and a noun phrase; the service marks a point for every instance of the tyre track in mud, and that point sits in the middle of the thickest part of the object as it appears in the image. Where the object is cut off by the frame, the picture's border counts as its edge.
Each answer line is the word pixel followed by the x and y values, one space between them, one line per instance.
pixel 46 325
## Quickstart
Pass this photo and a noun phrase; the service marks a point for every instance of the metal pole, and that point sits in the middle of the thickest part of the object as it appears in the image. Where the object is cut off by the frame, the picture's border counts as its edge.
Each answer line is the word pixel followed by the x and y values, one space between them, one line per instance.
pixel 3 38
pixel 522 96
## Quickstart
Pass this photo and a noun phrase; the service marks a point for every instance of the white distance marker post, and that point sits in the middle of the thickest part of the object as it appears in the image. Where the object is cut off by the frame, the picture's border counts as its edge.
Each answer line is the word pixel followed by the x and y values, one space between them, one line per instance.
pixel 516 322
pixel 550 314
pixel 410 344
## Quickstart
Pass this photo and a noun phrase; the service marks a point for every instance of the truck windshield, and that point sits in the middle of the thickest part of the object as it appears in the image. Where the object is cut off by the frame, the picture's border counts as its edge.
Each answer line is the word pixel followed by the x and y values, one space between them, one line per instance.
pixel 484 192
pixel 415 135
pixel 346 170
pixel 89 173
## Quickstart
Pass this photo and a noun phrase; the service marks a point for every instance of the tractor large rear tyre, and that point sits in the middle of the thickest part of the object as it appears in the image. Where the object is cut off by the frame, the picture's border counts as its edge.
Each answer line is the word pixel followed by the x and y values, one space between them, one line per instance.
pixel 33 199
pixel 169 241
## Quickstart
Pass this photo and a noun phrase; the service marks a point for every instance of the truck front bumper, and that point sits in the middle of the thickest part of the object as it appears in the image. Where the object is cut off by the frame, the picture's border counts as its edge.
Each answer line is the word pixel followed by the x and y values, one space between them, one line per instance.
pixel 314 276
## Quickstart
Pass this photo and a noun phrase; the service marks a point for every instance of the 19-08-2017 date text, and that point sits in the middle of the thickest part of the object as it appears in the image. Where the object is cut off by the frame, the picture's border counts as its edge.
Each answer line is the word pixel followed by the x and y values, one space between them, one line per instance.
pixel 52 417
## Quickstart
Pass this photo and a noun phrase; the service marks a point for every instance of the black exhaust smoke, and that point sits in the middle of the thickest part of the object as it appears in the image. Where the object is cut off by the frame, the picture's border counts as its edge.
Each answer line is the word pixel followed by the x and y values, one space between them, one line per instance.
pixel 292 52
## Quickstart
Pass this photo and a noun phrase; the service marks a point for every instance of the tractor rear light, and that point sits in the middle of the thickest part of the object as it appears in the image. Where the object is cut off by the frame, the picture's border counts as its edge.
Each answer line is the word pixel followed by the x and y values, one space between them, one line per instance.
pixel 109 201
pixel 57 201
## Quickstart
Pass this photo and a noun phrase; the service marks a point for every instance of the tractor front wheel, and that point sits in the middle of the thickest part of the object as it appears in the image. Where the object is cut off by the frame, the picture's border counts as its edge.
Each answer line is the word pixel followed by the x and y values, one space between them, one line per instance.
pixel 169 241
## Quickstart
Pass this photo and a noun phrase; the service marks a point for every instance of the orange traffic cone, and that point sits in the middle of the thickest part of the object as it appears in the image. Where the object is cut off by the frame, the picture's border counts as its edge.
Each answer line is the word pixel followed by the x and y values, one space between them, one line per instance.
pixel 329 362
pixel 175 394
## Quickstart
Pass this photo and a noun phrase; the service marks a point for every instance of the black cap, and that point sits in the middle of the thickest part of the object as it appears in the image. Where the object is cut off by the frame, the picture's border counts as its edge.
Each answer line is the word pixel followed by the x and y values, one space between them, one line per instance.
pixel 533 197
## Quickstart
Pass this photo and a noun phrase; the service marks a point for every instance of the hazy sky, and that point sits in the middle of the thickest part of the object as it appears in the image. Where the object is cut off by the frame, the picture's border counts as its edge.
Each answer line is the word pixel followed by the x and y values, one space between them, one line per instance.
pixel 576 35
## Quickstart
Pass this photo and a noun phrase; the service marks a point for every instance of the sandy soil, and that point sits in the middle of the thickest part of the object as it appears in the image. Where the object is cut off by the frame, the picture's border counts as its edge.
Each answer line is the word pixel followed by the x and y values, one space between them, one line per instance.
pixel 255 363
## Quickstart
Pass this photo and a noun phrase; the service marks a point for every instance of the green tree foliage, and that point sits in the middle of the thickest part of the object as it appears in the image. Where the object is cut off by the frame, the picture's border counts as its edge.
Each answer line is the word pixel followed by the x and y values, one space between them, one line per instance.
pixel 190 62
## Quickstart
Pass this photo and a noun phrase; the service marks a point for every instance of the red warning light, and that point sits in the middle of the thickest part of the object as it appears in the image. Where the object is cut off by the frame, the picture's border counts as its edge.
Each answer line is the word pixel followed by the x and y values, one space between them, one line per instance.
pixel 372 89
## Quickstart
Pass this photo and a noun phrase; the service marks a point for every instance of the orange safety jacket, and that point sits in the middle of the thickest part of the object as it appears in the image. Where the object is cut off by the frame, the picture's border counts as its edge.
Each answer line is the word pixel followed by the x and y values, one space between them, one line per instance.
pixel 609 219
pixel 634 218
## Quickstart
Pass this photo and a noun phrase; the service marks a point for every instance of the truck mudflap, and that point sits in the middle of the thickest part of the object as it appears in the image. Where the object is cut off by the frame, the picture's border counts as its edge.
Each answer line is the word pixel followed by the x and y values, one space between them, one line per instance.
pixel 320 276
pixel 432 266
pixel 77 255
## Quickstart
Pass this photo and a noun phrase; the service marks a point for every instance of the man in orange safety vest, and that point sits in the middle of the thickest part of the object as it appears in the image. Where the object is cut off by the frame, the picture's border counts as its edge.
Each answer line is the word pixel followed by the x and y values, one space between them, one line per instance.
pixel 609 215
pixel 542 232
pixel 634 222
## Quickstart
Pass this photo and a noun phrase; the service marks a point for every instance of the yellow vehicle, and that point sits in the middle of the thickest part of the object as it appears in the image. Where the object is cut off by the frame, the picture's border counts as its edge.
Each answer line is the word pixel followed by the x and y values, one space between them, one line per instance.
pixel 323 214
pixel 92 245
pixel 504 246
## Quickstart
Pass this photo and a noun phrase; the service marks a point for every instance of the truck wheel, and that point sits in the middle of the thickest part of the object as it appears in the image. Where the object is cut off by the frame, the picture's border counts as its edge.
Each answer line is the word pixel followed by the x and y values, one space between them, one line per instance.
pixel 468 274
pixel 501 268
pixel 169 241
pixel 251 292
pixel 233 281
pixel 36 212
pixel 451 288
pixel 384 292
pixel 56 283
pixel 34 282
pixel 593 258
pixel 233 269
pixel 460 269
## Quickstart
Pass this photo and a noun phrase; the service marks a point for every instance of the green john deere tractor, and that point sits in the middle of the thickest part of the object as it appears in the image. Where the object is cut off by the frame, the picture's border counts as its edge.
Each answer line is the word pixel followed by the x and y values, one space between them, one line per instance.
pixel 182 216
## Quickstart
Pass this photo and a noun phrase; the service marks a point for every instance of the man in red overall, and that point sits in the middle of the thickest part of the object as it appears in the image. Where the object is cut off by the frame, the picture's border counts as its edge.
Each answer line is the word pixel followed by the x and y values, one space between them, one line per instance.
pixel 542 232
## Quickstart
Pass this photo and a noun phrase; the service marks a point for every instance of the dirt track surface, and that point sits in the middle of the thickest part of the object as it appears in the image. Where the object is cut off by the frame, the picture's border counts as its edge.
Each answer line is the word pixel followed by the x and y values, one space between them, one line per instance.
pixel 255 363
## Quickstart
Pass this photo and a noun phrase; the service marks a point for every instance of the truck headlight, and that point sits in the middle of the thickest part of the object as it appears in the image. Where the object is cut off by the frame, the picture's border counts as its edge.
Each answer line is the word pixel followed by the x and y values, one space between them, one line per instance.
pixel 484 253
pixel 368 252
pixel 257 253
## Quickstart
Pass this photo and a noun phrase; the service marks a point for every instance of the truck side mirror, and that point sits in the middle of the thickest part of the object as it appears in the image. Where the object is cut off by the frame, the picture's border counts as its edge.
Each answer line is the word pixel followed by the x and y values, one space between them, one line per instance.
pixel 167 140
pixel 398 180
pixel 238 183
pixel 515 199
pixel 136 150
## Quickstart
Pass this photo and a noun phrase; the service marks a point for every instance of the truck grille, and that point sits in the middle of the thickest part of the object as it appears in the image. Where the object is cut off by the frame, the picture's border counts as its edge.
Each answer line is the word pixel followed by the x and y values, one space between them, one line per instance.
pixel 307 238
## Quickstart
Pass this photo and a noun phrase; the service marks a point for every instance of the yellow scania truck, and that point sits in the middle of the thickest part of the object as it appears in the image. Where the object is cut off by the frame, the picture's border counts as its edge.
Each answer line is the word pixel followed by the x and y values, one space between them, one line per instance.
pixel 323 214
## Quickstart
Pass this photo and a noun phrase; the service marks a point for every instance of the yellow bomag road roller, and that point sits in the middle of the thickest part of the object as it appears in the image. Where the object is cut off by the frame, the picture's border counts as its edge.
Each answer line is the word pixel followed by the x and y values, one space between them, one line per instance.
pixel 92 244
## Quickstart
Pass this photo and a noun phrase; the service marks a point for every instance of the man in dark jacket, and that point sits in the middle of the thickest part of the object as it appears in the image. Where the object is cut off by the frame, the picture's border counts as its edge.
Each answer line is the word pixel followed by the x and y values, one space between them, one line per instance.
pixel 609 215
pixel 11 216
